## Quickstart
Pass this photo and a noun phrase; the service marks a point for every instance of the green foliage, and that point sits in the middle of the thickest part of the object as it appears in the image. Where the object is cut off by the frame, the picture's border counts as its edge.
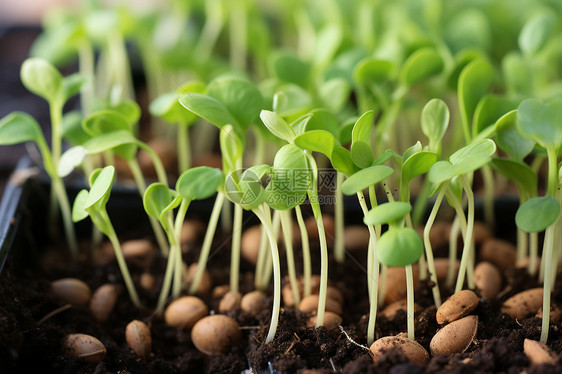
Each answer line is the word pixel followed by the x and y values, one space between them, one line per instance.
pixel 421 65
pixel 158 200
pixel 290 178
pixel 536 32
pixel 399 247
pixel 19 127
pixel 518 172
pixel 434 121
pixel 199 182
pixel 365 178
pixel 537 213
pixel 392 213
pixel 474 81
pixel 510 140
pixel 540 121
pixel 43 79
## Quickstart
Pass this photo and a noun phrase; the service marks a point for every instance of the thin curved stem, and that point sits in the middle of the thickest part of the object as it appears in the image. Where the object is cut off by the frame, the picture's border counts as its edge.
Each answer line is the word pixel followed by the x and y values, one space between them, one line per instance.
pixel 307 264
pixel 235 248
pixel 466 252
pixel 184 149
pixel 286 227
pixel 339 248
pixel 410 298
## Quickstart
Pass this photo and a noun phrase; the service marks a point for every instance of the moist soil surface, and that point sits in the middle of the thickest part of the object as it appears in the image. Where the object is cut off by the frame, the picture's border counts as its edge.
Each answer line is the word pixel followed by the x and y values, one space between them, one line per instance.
pixel 29 342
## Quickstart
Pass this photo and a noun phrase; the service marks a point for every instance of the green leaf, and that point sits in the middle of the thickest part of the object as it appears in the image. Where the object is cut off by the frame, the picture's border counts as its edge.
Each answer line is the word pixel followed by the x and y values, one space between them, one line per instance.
pixel 208 108
pixel 435 120
pixel 70 159
pixel 277 125
pixel 362 128
pixel 475 80
pixel 328 40
pixel 541 121
pixel 417 164
pixel 361 154
pixel 321 119
pixel 168 107
pixel 384 157
pixel 462 59
pixel 441 171
pixel 158 199
pixel 109 140
pixel 536 32
pixel 334 94
pixel 489 109
pixel 78 208
pixel 43 79
pixel 291 100
pixel 247 190
pixel 517 74
pixel 299 125
pixel 365 178
pixel 199 182
pixel 421 65
pixel 287 67
pixel 72 85
pixel 317 141
pixel 518 172
pixel 399 247
pixel 130 110
pixel 342 162
pixel 240 97
pixel 477 153
pixel 537 213
pixel 19 127
pixel 416 148
pixel 371 71
pixel 72 130
pixel 391 213
pixel 105 121
pixel 290 178
pixel 101 181
pixel 510 140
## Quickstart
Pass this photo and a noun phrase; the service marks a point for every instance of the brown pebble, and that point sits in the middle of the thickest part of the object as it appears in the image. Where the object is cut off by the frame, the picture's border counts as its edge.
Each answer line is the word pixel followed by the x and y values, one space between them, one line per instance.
pixel 215 334
pixel 230 301
pixel 481 232
pixel 191 231
pixel 409 348
pixel 84 347
pixel 310 304
pixel 103 301
pixel 455 337
pixel 185 311
pixel 523 304
pixel 457 306
pixel 252 302
pixel 538 353
pixel 389 312
pixel 206 282
pixel 329 228
pixel 438 234
pixel 287 293
pixel 220 291
pixel 72 291
pixel 356 237
pixel 555 313
pixel 138 336
pixel 332 321
pixel 499 252
pixel 488 280
pixel 147 281
pixel 137 248
pixel 250 244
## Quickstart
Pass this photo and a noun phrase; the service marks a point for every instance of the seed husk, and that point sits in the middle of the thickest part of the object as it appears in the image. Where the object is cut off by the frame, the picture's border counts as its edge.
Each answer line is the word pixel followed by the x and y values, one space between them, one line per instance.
pixel 252 302
pixel 455 337
pixel 538 353
pixel 409 348
pixel 103 301
pixel 139 338
pixel 457 306
pixel 72 291
pixel 214 335
pixel 523 304
pixel 185 312
pixel 488 280
pixel 84 347
pixel 230 301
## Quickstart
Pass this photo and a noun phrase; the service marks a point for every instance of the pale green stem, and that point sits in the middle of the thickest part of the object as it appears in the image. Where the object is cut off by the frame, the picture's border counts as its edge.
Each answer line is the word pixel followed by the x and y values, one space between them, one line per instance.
pixel 238 35
pixel 184 154
pixel 287 228
pixel 339 248
pixel 453 244
pixel 466 252
pixel 428 247
pixel 307 266
pixel 268 268
pixel 374 203
pixel 260 262
pixel 86 66
pixel 178 271
pixel 207 242
pixel 235 248
pixel 410 298
pixel 121 260
pixel 489 182
pixel 211 30
pixel 389 194
pixel 522 237
pixel 265 218
pixel 141 186
pixel 55 109
pixel 226 217
pixel 372 273
pixel 166 283
pixel 549 264
pixel 158 166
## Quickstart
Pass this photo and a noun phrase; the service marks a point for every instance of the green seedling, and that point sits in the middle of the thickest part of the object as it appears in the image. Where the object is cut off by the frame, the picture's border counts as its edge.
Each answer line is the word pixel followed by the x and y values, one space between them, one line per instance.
pixel 355 184
pixel 93 204
pixel 517 147
pixel 465 160
pixel 540 122
pixel 399 246
pixel 168 108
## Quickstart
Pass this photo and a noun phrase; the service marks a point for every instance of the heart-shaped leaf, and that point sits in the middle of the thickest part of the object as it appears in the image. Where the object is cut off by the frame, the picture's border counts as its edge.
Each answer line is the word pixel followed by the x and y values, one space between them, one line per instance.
pixel 158 199
pixel 537 213
pixel 19 127
pixel 399 247
pixel 392 213
pixel 199 182
pixel 365 178
pixel 421 65
pixel 541 122
pixel 240 97
pixel 510 140
pixel 43 79
pixel 317 141
pixel 362 128
pixel 435 120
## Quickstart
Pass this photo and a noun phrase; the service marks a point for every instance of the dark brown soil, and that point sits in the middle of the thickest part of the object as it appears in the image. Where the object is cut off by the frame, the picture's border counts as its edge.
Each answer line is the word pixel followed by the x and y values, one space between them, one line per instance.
pixel 29 346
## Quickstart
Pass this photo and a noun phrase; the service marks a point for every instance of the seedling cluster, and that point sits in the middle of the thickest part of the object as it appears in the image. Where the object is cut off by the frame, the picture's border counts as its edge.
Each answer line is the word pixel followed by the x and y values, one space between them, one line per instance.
pixel 397 113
